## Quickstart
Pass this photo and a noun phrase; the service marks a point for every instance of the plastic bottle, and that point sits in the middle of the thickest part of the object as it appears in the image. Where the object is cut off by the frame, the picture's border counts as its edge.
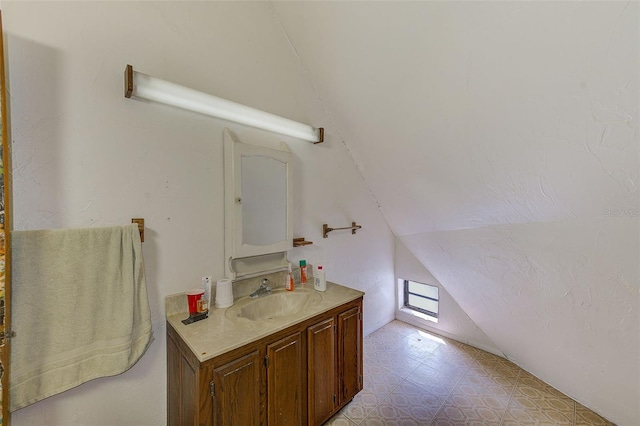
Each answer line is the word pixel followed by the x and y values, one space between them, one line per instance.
pixel 288 285
pixel 303 272
pixel 320 283
pixel 206 285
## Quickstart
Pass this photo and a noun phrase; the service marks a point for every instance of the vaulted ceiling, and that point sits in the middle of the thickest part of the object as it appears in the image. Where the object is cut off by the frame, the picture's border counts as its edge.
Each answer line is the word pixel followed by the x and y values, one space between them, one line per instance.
pixel 500 140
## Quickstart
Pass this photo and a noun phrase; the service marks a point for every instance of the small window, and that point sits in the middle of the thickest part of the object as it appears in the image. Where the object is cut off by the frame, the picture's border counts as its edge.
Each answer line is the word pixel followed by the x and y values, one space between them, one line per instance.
pixel 421 297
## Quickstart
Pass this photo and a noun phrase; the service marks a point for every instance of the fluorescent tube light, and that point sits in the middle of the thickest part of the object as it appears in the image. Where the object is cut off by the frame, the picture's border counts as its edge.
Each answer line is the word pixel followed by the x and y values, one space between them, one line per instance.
pixel 143 86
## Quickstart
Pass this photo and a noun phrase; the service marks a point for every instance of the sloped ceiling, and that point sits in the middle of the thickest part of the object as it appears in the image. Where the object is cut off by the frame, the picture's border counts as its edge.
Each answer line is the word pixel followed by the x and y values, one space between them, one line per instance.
pixel 500 140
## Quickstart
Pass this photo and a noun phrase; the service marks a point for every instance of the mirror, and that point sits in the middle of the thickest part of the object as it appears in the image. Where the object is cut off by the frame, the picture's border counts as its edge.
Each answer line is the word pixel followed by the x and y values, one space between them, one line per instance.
pixel 257 207
pixel 264 200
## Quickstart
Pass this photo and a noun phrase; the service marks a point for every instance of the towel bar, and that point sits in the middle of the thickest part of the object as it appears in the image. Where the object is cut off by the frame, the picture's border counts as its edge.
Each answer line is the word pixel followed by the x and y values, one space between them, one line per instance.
pixel 326 229
pixel 140 222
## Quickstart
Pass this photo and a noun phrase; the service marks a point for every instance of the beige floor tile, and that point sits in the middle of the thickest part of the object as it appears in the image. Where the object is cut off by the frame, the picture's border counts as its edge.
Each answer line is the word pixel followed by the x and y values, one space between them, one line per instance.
pixel 424 374
pixel 494 367
pixel 484 354
pixel 486 388
pixel 545 398
pixel 383 383
pixel 527 379
pixel 340 420
pixel 372 350
pixel 446 373
pixel 529 404
pixel 401 327
pixel 419 404
pixel 455 356
pixel 427 339
pixel 524 417
pixel 377 354
pixel 462 411
pixel 389 414
pixel 388 339
pixel 475 352
pixel 361 405
pixel 372 369
pixel 473 378
pixel 403 368
pixel 446 422
pixel 378 346
pixel 460 355
pixel 417 350
pixel 412 377
pixel 487 396
pixel 586 417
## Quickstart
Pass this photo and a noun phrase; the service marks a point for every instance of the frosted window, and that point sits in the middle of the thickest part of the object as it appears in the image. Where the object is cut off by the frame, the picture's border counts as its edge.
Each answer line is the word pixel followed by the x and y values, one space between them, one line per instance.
pixel 421 297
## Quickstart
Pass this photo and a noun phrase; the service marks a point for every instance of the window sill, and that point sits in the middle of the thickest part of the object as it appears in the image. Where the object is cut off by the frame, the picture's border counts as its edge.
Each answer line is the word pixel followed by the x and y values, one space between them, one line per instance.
pixel 419 315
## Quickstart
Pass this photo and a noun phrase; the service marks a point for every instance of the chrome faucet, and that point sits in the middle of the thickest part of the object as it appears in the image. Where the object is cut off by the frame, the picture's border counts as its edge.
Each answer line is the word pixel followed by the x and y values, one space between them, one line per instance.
pixel 264 288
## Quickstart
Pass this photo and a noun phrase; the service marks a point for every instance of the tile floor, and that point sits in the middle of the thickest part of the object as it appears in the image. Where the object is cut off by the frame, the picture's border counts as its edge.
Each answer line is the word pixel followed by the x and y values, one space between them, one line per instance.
pixel 412 377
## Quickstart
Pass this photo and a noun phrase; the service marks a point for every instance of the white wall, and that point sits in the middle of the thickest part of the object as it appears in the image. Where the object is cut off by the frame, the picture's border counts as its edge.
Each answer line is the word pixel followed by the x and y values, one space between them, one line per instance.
pixel 452 321
pixel 86 156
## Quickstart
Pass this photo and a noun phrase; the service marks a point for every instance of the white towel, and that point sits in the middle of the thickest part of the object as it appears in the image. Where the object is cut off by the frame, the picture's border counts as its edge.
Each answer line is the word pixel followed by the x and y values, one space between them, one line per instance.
pixel 79 309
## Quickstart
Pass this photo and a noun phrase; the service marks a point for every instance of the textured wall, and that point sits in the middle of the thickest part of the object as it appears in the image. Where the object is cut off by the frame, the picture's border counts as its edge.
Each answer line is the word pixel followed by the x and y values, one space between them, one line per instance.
pixel 86 156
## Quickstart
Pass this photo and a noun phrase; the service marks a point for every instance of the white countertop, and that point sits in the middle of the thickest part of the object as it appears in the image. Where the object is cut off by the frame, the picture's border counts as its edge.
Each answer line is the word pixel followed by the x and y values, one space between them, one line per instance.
pixel 219 334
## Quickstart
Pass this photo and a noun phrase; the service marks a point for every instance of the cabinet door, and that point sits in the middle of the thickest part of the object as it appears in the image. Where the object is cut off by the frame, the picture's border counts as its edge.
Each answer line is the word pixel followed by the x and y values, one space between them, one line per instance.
pixel 182 387
pixel 237 391
pixel 349 354
pixel 284 381
pixel 321 359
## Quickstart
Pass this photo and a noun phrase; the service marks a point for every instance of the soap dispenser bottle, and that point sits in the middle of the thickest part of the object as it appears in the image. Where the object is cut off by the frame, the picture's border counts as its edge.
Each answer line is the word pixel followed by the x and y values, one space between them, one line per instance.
pixel 289 285
pixel 320 282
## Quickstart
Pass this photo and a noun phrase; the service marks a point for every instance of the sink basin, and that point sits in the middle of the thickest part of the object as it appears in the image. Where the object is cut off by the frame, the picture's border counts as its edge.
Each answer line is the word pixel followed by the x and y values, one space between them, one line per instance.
pixel 280 303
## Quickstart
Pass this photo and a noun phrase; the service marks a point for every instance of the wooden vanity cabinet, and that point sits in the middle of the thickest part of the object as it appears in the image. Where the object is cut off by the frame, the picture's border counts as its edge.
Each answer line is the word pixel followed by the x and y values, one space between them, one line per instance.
pixel 334 363
pixel 349 354
pixel 237 391
pixel 285 381
pixel 323 375
pixel 298 376
pixel 185 380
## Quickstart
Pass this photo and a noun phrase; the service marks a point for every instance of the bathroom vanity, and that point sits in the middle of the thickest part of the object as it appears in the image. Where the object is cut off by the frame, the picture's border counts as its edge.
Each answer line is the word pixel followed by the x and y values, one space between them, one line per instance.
pixel 283 358
pixel 258 364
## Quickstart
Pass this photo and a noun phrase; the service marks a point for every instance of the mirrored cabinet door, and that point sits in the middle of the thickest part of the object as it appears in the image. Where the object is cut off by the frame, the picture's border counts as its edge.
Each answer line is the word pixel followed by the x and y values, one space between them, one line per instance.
pixel 258 205
pixel 263 204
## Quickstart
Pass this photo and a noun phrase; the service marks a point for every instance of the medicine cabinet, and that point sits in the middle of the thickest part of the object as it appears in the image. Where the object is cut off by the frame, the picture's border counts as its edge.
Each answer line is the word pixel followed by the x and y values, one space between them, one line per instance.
pixel 258 226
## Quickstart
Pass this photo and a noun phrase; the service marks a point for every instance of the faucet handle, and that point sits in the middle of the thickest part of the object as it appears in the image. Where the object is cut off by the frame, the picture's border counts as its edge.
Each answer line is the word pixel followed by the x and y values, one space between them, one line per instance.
pixel 265 282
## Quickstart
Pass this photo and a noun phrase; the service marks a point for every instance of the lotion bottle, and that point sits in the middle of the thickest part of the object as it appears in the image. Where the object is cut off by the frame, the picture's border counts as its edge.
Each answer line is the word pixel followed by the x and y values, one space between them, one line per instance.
pixel 289 285
pixel 320 282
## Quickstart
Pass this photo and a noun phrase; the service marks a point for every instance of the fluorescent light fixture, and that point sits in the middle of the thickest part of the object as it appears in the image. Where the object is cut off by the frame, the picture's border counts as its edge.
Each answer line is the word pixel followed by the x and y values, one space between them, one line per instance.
pixel 139 85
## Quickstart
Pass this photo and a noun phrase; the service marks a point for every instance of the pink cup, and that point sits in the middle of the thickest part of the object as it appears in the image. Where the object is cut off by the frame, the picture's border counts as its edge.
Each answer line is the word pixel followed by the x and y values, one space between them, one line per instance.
pixel 193 296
